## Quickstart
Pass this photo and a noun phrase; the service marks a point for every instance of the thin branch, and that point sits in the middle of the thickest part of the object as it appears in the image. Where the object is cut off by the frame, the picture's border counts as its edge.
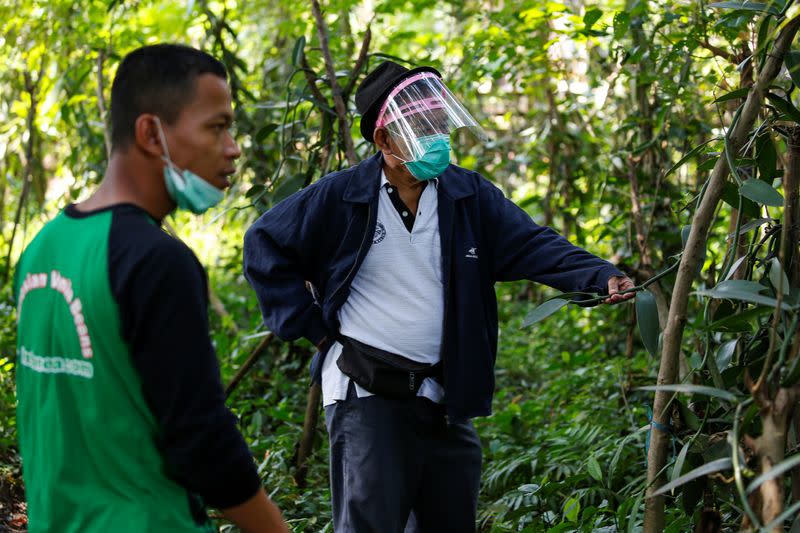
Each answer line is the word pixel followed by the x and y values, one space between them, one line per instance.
pixel 338 101
pixel 311 79
pixel 248 364
pixel 360 62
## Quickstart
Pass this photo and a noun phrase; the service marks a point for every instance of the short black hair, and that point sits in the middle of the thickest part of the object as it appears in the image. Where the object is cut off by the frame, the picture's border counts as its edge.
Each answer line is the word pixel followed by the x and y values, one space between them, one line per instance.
pixel 158 79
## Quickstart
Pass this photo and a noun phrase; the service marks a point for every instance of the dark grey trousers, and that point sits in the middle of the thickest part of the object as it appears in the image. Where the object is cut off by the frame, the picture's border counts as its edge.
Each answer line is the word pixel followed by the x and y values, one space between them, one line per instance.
pixel 390 458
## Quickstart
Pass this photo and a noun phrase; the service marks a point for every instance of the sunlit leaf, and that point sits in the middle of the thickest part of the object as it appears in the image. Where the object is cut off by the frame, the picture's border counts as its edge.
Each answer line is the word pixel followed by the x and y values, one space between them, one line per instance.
pixel 572 509
pixel 622 20
pixel 592 15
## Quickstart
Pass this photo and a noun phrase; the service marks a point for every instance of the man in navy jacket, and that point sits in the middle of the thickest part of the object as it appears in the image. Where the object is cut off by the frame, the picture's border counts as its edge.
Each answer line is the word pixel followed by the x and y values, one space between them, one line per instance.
pixel 401 254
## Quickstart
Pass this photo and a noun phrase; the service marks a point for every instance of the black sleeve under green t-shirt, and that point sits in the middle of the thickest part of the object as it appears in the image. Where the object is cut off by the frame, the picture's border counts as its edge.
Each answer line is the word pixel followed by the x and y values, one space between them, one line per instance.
pixel 161 291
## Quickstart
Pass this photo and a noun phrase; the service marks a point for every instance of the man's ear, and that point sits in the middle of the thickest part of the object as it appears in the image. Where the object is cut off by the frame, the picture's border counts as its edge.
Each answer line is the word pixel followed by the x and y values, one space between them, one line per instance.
pixel 146 135
pixel 381 138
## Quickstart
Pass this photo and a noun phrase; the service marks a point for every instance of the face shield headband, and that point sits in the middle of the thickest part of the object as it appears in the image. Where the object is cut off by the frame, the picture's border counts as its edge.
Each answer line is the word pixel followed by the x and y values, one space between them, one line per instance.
pixel 422 108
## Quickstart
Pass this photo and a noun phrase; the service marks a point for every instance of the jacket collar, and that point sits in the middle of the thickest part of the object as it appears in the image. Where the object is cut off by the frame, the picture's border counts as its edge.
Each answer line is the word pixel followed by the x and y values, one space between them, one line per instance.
pixel 365 181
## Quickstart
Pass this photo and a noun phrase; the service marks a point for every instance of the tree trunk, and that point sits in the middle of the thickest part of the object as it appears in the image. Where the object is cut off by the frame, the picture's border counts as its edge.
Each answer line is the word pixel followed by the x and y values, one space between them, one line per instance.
pixel 673 334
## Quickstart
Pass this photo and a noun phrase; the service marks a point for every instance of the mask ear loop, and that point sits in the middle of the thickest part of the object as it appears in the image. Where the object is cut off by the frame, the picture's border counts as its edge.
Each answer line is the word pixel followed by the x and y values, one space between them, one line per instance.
pixel 167 159
pixel 162 138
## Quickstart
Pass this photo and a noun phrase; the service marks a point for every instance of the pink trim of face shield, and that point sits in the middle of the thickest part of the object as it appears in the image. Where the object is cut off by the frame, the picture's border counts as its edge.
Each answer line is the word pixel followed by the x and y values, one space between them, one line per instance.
pixel 413 107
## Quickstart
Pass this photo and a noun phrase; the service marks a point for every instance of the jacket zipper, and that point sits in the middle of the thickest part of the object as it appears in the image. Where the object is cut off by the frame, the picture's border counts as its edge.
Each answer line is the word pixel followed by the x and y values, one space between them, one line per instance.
pixel 358 253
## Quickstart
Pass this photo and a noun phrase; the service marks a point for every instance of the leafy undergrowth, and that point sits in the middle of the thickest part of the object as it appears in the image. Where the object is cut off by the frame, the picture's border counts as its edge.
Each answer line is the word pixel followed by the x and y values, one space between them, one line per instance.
pixel 563 451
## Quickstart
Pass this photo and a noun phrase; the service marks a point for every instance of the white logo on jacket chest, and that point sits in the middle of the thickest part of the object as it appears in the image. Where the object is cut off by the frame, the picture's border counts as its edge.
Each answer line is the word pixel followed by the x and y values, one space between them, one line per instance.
pixel 472 253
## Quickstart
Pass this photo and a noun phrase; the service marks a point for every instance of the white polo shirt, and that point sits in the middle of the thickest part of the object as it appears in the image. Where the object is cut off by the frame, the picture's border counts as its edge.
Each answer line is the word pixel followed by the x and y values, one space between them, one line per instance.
pixel 396 300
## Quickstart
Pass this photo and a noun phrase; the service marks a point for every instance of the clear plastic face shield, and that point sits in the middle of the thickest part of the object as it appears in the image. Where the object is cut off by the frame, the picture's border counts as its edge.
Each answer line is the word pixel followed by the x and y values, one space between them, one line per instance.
pixel 421 109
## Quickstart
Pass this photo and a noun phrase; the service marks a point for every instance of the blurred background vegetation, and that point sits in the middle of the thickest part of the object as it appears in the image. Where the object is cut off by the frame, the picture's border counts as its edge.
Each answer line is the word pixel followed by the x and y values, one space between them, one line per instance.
pixel 607 120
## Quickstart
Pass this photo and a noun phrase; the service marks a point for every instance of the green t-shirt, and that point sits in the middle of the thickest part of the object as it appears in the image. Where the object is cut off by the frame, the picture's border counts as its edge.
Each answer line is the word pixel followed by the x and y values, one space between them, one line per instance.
pixel 108 419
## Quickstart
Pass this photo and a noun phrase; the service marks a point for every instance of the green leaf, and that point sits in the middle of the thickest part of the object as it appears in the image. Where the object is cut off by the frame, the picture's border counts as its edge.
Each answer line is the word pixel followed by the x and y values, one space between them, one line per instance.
pixel 775 471
pixel 647 318
pixel 746 6
pixel 693 389
pixel 733 95
pixel 766 157
pixel 709 468
pixel 761 192
pixel 264 132
pixel 777 276
pixel 792 62
pixel 254 190
pixel 592 16
pixel 784 106
pixel 594 468
pixel 739 322
pixel 572 509
pixel 730 195
pixel 622 20
pixel 685 230
pixel 743 290
pixel 694 151
pixel 725 354
pixel 288 187
pixel 676 470
pixel 297 53
pixel 543 311
pixel 751 225
pixel 632 523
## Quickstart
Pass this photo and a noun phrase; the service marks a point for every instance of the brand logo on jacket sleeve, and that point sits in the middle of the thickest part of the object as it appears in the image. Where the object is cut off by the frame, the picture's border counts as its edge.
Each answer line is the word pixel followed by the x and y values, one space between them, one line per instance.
pixel 472 253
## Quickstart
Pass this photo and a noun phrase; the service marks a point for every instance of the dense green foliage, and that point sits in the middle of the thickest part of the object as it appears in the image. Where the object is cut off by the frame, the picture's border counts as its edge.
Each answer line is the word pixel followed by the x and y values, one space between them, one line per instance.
pixel 606 120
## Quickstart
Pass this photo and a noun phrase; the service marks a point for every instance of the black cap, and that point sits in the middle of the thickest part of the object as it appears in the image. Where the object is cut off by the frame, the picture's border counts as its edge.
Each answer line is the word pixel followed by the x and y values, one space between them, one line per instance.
pixel 376 87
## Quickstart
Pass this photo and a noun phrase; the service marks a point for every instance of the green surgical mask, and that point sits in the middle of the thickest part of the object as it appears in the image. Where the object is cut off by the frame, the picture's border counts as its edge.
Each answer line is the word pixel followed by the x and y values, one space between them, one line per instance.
pixel 186 188
pixel 434 161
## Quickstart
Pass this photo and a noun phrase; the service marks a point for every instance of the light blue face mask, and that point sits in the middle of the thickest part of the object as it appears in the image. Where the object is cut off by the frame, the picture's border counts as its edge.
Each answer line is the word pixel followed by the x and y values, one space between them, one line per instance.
pixel 186 188
pixel 434 161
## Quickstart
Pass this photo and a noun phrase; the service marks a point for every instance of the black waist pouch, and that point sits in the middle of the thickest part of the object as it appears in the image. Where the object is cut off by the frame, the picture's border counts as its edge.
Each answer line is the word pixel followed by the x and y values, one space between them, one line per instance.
pixel 381 372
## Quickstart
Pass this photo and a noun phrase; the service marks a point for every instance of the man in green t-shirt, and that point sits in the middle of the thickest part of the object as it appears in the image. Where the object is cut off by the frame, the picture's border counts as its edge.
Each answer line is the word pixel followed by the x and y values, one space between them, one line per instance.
pixel 121 415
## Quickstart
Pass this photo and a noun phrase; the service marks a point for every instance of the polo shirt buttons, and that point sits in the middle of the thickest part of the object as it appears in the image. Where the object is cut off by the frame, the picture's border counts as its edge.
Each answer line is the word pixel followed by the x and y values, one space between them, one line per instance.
pixel 405 213
pixel 390 190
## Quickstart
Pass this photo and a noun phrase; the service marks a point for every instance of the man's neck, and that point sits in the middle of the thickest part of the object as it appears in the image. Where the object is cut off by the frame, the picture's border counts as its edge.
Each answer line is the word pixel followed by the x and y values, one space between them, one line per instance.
pixel 124 182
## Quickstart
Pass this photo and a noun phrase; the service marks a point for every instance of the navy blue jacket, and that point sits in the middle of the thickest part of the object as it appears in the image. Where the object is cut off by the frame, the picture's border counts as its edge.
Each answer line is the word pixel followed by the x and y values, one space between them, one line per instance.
pixel 322 233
